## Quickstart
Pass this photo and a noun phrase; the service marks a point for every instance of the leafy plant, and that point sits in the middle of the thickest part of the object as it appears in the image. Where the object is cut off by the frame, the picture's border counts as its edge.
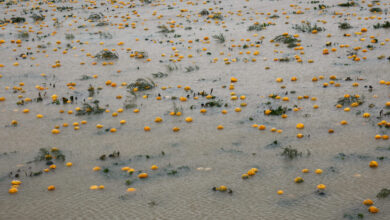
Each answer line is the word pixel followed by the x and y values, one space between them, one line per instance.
pixel 18 20
pixel 347 4
pixel 217 16
pixel 23 34
pixel 279 111
pixel 258 27
pixel 204 12
pixel 91 91
pixel 384 25
pixel 107 55
pixel 219 38
pixel 69 36
pixel 375 10
pixel 307 27
pixel 171 67
pixel 383 193
pixel 159 75
pixel 344 26
pixel 289 40
pixel 92 108
pixel 164 29
pixel 142 84
pixel 37 17
pixel 291 153
pixel 96 17
pixel 45 154
pixel 214 103
pixel 191 68
pixel 351 99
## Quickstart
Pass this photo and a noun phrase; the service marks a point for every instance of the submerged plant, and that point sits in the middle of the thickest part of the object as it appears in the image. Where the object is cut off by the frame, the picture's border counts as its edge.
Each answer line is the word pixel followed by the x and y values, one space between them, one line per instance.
pixel 307 27
pixel 164 29
pixel 142 84
pixel 219 38
pixel 92 108
pixel 18 20
pixel 258 27
pixel 279 111
pixel 345 25
pixel 37 17
pixel 350 99
pixel 204 12
pixel 106 55
pixel 23 34
pixel 384 25
pixel 375 10
pixel 191 68
pixel 289 40
pixel 172 67
pixel 347 4
pixel 45 154
pixel 159 75
pixel 291 153
pixel 96 17
pixel 383 193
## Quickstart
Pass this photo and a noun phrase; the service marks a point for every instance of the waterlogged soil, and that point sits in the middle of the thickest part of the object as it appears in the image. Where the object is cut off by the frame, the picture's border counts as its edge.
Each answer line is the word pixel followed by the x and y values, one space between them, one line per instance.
pixel 279 97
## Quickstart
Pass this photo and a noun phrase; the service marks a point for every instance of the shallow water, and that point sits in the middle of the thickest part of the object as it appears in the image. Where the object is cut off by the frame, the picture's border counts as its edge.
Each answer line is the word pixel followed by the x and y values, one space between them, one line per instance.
pixel 223 155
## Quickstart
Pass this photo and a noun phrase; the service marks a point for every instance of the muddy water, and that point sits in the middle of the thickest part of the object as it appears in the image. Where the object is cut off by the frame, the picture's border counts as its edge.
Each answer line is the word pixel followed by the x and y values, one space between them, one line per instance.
pixel 203 156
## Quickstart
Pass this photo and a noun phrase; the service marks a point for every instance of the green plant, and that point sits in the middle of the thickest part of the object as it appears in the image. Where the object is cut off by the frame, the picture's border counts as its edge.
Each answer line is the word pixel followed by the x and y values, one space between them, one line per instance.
pixel 107 55
pixel 204 12
pixel 219 38
pixel 383 193
pixel 307 27
pixel 289 40
pixel 344 26
pixel 279 111
pixel 142 84
pixel 164 29
pixel 258 27
pixel 92 108
pixel 291 153
pixel 384 25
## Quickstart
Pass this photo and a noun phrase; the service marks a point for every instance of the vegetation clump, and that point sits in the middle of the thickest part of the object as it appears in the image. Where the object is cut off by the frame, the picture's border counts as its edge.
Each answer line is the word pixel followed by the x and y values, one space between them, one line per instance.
pixel 219 38
pixel 204 12
pixel 106 55
pixel 375 10
pixel 383 193
pixel 37 17
pixel 258 27
pixel 347 4
pixel 96 17
pixel 291 153
pixel 289 40
pixel 214 103
pixel 278 111
pixel 142 84
pixel 92 108
pixel 48 155
pixel 191 68
pixel 384 25
pixel 164 29
pixel 350 99
pixel 18 20
pixel 345 26
pixel 159 75
pixel 217 16
pixel 307 27
pixel 113 155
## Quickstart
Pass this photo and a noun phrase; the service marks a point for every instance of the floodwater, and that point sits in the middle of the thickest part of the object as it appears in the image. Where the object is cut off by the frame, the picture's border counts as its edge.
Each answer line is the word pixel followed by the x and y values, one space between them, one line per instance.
pixel 198 157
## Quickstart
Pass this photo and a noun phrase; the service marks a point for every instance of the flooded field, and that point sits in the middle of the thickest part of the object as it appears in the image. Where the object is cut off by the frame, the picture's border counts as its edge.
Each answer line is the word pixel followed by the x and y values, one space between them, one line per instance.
pixel 228 109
